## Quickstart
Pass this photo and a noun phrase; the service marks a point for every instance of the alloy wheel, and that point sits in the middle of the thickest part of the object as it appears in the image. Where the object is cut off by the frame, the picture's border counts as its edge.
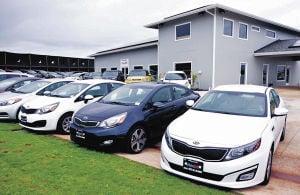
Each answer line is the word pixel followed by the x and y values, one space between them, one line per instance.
pixel 138 140
pixel 66 124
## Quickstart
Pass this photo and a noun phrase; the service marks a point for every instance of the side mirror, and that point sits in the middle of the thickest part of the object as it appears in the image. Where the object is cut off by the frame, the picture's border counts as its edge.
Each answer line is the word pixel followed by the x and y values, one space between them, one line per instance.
pixel 46 93
pixel 280 112
pixel 87 98
pixel 189 79
pixel 190 103
pixel 162 79
pixel 158 105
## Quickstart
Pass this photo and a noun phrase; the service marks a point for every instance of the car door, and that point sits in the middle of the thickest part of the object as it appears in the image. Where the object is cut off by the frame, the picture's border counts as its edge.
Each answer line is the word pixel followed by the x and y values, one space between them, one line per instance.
pixel 181 95
pixel 274 119
pixel 279 104
pixel 158 119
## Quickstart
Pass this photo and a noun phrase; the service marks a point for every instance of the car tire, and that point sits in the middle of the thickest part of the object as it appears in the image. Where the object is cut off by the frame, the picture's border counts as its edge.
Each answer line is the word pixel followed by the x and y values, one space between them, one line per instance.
pixel 136 140
pixel 283 131
pixel 268 169
pixel 63 125
pixel 17 114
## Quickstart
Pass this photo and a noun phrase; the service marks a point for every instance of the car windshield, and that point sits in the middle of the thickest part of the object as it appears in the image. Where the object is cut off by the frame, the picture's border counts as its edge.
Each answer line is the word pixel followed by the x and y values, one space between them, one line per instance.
pixel 138 73
pixel 110 73
pixel 127 95
pixel 31 87
pixel 235 103
pixel 175 76
pixel 69 90
pixel 8 82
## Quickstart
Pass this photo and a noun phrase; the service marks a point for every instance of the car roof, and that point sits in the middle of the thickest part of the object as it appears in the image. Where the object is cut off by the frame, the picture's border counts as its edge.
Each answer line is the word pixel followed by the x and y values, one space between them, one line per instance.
pixel 17 79
pixel 15 73
pixel 175 71
pixel 242 88
pixel 150 84
pixel 96 81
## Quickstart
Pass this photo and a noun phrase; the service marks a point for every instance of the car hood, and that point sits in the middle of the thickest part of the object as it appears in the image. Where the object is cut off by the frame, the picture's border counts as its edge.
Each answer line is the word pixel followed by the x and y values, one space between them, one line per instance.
pixel 217 130
pixel 41 101
pixel 98 111
pixel 8 95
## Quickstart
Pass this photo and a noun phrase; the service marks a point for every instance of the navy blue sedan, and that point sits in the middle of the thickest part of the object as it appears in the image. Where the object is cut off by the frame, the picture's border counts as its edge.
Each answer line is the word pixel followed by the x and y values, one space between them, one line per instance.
pixel 130 115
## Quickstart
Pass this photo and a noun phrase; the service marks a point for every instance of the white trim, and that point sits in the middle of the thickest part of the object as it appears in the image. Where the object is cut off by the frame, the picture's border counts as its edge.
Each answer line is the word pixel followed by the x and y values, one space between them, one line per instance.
pixel 247 31
pixel 246 73
pixel 232 27
pixel 273 32
pixel 183 62
pixel 262 73
pixel 137 66
pixel 214 48
pixel 277 53
pixel 255 27
pixel 190 36
pixel 284 73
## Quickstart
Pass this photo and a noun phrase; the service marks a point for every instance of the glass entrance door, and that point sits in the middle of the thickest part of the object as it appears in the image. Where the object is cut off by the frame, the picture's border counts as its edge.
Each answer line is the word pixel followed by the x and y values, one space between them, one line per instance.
pixel 265 74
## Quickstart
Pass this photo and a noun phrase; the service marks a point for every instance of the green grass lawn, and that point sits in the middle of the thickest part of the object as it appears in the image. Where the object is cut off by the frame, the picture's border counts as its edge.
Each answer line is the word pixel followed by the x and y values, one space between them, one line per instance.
pixel 39 164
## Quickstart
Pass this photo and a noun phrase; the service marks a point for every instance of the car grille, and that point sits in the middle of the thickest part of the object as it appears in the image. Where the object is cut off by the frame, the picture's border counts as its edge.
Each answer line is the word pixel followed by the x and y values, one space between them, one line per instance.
pixel 82 123
pixel 207 154
pixel 36 124
pixel 28 111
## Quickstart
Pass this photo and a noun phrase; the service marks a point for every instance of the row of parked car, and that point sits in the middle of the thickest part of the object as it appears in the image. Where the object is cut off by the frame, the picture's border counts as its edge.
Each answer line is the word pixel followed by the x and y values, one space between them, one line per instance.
pixel 134 76
pixel 225 138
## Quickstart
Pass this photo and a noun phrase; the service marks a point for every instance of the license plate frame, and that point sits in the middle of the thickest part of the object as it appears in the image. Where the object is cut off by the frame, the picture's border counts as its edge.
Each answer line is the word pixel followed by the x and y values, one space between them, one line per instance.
pixel 193 165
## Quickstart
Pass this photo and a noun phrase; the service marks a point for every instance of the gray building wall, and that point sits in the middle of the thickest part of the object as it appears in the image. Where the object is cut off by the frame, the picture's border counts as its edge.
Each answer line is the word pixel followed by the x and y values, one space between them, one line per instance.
pixel 138 57
pixel 197 49
pixel 231 51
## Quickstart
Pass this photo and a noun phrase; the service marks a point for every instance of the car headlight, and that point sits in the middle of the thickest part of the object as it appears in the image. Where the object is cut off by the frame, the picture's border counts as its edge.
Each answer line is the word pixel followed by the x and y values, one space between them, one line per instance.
pixel 48 108
pixel 113 121
pixel 168 139
pixel 244 150
pixel 10 101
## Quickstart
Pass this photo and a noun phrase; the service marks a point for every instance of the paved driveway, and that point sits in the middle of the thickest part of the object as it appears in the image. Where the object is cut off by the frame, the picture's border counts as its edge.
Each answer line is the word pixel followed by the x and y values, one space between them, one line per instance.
pixel 286 164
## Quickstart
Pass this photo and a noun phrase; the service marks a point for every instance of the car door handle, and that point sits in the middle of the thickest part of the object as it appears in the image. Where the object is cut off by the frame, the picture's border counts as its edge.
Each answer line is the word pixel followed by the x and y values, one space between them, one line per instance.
pixel 273 128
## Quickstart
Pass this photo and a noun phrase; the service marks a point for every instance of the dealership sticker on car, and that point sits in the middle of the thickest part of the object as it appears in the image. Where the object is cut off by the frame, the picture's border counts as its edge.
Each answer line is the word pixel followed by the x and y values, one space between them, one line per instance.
pixel 192 165
pixel 80 134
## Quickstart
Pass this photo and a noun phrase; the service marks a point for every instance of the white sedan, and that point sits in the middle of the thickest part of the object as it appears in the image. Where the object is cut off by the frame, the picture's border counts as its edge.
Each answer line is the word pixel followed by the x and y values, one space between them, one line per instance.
pixel 227 138
pixel 178 77
pixel 54 112
pixel 11 101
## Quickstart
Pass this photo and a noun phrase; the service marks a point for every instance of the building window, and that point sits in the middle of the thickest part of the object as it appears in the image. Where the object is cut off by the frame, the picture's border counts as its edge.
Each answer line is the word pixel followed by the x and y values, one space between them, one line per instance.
pixel 243 31
pixel 114 68
pixel 138 67
pixel 243 73
pixel 255 28
pixel 183 31
pixel 185 67
pixel 271 34
pixel 102 70
pixel 228 27
pixel 281 72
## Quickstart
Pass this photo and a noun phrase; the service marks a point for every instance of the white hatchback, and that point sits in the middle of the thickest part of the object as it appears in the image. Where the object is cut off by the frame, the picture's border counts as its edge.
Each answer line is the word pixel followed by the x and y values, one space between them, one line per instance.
pixel 227 138
pixel 177 77
pixel 54 111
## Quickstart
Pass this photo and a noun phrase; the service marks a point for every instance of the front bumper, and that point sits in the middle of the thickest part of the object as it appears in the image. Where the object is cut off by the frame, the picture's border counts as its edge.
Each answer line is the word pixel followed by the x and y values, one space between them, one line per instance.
pixel 9 112
pixel 39 122
pixel 224 173
pixel 97 137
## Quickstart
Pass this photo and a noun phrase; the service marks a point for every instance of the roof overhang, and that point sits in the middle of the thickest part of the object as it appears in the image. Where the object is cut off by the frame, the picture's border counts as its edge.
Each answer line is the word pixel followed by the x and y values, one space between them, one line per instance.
pixel 155 25
pixel 278 54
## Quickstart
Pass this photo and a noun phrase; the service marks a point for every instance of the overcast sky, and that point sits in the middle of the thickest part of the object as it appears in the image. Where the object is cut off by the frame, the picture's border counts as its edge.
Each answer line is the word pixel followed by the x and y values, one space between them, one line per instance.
pixel 82 27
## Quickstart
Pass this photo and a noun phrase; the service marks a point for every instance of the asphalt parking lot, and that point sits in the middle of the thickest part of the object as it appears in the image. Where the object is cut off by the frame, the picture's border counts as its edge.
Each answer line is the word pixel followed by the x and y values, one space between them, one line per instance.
pixel 286 164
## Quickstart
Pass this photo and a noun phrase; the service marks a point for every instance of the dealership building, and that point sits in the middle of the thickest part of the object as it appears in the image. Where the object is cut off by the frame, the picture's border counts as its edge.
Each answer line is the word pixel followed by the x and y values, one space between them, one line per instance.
pixel 214 45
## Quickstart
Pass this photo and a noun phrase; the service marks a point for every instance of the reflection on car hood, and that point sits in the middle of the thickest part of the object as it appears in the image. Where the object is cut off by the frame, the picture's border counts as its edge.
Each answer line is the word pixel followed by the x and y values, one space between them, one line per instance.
pixel 8 95
pixel 100 111
pixel 217 130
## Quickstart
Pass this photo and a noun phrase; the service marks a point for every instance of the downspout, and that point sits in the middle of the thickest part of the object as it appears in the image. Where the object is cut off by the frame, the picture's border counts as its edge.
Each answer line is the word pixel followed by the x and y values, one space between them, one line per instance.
pixel 214 44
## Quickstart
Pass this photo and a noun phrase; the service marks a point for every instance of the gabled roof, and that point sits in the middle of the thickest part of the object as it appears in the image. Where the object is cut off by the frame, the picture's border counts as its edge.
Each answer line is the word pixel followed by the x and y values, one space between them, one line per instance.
pixel 288 47
pixel 155 25
pixel 137 45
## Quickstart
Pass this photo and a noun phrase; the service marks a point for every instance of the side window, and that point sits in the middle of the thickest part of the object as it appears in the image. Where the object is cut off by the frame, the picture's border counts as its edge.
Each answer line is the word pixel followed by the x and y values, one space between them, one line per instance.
pixel 115 86
pixel 52 87
pixel 163 95
pixel 20 84
pixel 11 76
pixel 272 103
pixel 276 97
pixel 97 90
pixel 180 92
